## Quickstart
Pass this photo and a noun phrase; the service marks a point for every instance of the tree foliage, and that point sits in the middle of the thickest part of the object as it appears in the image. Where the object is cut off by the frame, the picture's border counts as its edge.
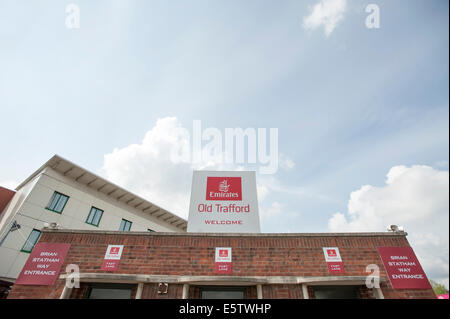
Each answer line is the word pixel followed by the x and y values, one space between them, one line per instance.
pixel 438 288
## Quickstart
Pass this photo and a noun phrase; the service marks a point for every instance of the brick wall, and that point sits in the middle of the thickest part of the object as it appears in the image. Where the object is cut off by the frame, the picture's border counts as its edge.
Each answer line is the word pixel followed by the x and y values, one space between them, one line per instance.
pixel 165 254
pixel 5 197
pixel 282 291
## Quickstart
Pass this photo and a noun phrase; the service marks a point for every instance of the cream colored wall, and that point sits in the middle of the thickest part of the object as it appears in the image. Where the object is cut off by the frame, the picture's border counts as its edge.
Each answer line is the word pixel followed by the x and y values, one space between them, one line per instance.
pixel 11 258
pixel 29 211
pixel 83 198
pixel 15 203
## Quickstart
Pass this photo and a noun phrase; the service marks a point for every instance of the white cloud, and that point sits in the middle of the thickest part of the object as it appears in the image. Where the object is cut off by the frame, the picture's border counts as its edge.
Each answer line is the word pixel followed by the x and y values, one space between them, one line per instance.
pixel 415 197
pixel 262 191
pixel 326 13
pixel 146 168
pixel 149 170
pixel 273 210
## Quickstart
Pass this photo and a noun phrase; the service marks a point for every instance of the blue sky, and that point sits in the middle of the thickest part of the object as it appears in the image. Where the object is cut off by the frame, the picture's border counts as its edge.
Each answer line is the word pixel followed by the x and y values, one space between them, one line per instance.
pixel 349 106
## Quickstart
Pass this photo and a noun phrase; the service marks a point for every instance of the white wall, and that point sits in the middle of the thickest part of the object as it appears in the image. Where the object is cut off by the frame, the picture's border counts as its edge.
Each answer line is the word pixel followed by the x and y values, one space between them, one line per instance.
pixel 28 208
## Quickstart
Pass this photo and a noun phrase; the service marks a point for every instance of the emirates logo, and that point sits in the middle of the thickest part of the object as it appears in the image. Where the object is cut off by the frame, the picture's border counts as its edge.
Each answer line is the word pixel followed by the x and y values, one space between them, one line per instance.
pixel 224 186
pixel 332 253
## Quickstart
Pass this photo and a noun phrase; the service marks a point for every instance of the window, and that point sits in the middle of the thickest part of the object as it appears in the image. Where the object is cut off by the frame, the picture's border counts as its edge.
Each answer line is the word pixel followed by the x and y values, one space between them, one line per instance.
pixel 125 225
pixel 150 230
pixel 336 292
pixel 31 241
pixel 94 216
pixel 222 292
pixel 57 202
pixel 109 291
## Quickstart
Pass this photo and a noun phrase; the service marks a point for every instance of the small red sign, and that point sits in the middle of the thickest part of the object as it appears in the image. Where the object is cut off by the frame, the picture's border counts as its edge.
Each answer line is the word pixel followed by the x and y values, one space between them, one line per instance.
pixel 114 250
pixel 222 268
pixel 110 264
pixel 403 268
pixel 331 253
pixel 333 260
pixel 223 253
pixel 336 267
pixel 112 257
pixel 43 265
pixel 224 188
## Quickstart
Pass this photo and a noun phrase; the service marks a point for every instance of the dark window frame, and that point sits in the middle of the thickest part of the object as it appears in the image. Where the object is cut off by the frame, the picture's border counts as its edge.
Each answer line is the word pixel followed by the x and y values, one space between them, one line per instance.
pixel 126 223
pixel 55 193
pixel 334 287
pixel 242 289
pixel 108 286
pixel 95 214
pixel 34 244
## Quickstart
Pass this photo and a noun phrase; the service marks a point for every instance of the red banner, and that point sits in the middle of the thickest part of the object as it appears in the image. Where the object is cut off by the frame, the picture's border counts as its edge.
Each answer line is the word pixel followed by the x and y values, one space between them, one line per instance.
pixel 403 268
pixel 43 265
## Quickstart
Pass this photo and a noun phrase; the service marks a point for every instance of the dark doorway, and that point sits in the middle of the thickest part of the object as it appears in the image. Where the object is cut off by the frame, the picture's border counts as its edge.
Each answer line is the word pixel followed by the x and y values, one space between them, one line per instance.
pixel 336 292
pixel 222 292
pixel 109 291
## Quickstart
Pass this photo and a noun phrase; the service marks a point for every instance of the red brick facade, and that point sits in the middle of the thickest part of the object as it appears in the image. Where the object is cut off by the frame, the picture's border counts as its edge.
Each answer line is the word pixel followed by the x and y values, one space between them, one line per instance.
pixel 184 254
pixel 5 197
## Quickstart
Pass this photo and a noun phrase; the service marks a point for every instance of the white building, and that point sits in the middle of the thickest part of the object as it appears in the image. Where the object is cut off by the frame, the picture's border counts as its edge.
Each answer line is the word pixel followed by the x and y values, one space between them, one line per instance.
pixel 62 192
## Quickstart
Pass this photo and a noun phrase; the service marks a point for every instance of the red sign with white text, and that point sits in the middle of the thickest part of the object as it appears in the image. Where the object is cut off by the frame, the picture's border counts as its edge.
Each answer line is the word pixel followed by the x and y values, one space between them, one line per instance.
pixel 112 257
pixel 336 268
pixel 223 188
pixel 333 260
pixel 222 268
pixel 403 268
pixel 331 253
pixel 223 260
pixel 110 265
pixel 114 250
pixel 43 265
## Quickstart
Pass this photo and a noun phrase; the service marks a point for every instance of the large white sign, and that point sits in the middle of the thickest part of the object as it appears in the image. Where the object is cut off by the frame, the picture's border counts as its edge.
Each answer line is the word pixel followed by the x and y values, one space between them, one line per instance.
pixel 223 202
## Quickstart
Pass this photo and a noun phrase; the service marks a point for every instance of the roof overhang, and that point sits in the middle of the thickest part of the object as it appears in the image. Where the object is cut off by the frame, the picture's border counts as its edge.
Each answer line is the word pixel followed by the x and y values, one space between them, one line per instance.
pixel 222 280
pixel 249 235
pixel 99 184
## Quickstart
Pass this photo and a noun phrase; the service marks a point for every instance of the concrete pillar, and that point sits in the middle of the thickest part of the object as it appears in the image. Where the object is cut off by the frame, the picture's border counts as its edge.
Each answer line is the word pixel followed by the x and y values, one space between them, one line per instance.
pixel 259 291
pixel 66 293
pixel 140 287
pixel 378 293
pixel 185 291
pixel 305 291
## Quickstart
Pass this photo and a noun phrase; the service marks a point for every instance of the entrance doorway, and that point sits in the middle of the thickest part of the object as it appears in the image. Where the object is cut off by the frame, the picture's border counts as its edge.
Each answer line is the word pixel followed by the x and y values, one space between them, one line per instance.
pixel 222 292
pixel 336 292
pixel 109 291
